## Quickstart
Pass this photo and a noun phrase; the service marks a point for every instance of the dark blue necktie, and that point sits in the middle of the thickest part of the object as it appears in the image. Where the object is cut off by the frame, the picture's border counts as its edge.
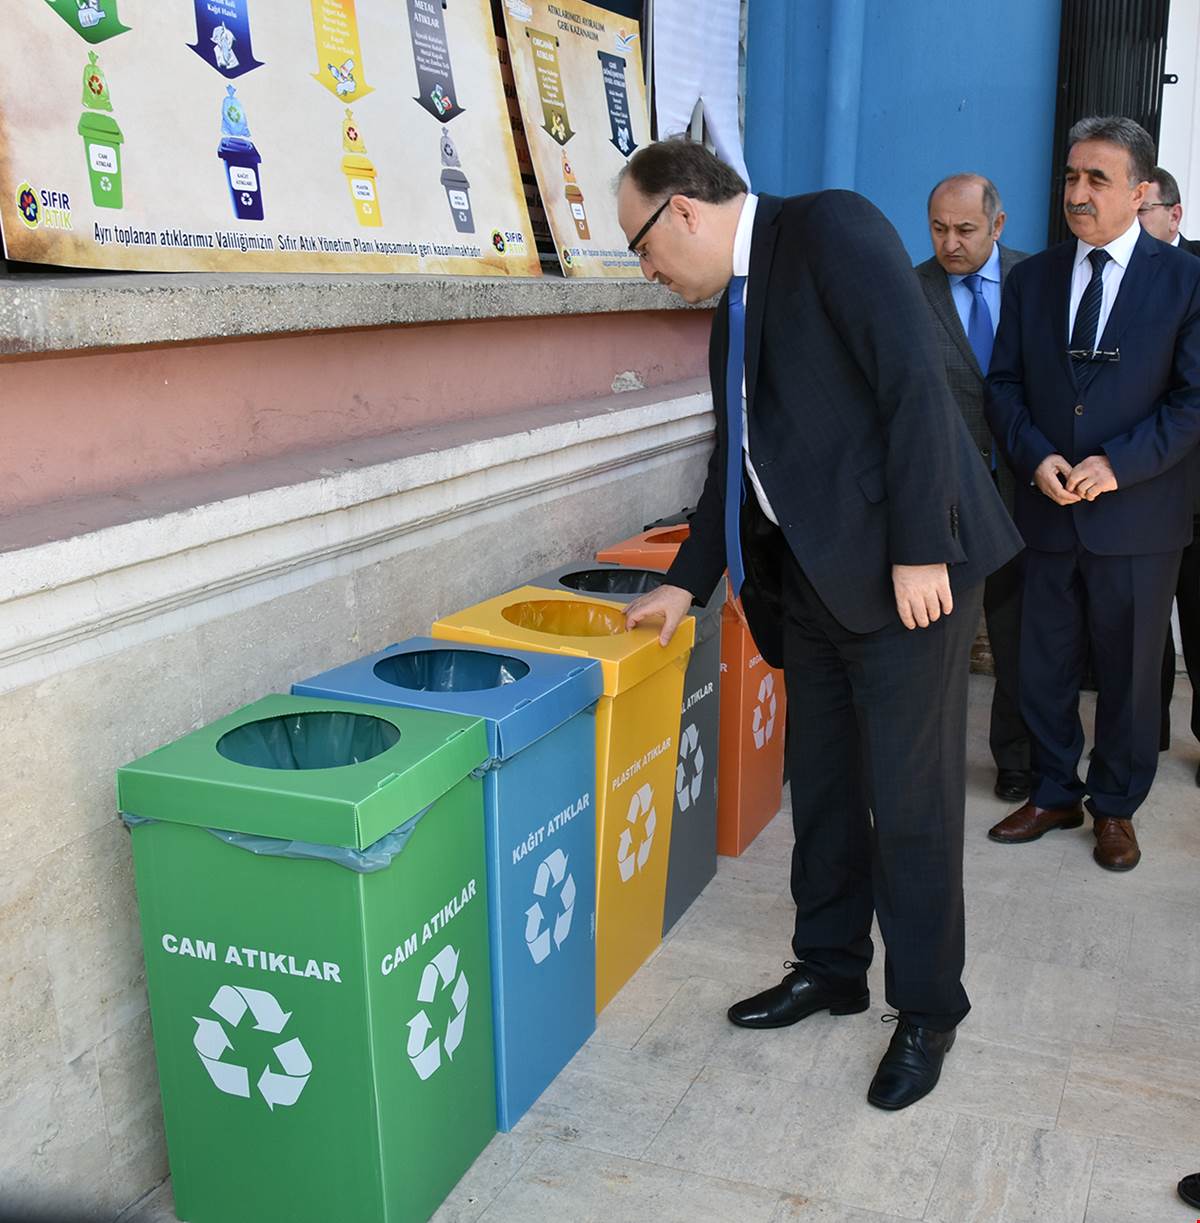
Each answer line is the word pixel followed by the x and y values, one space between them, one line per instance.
pixel 980 332
pixel 734 466
pixel 1087 317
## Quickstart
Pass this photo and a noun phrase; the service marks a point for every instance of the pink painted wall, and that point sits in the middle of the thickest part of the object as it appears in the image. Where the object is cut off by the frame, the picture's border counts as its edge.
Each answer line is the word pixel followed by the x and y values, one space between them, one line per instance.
pixel 104 421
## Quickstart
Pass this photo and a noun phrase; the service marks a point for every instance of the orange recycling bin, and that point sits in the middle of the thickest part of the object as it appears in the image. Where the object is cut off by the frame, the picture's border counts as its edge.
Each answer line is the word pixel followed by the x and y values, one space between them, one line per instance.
pixel 753 706
pixel 637 733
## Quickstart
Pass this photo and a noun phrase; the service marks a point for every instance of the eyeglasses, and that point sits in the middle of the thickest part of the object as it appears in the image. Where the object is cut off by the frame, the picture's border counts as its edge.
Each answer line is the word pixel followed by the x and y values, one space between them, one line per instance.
pixel 1094 354
pixel 1146 207
pixel 641 233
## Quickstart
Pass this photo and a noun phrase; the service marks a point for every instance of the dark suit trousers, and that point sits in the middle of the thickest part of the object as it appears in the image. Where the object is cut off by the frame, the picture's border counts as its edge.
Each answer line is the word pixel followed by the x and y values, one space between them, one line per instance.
pixel 877 727
pixel 1187 596
pixel 1009 740
pixel 1119 605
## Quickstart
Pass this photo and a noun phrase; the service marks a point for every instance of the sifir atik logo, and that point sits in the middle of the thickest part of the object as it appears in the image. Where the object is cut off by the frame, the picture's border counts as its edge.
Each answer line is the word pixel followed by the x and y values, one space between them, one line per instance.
pixel 43 209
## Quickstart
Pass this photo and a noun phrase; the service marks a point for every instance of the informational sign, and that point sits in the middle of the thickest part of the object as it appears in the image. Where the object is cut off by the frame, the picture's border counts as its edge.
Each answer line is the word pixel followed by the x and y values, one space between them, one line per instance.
pixel 578 73
pixel 248 135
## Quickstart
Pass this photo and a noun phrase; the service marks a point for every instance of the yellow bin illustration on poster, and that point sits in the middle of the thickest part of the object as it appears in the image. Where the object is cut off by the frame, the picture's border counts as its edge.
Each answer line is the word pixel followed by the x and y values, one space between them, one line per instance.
pixel 637 731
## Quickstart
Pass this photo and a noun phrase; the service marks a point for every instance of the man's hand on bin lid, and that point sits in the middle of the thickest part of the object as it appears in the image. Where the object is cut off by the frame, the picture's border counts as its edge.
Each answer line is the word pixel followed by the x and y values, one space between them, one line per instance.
pixel 672 603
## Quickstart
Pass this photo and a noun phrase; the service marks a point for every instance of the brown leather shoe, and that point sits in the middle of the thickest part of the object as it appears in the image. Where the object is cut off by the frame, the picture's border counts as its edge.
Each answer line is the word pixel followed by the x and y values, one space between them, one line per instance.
pixel 1027 823
pixel 1116 844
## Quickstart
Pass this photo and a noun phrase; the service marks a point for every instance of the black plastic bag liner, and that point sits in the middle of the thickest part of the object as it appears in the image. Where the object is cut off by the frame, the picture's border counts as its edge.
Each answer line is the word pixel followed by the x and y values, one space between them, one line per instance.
pixel 450 670
pixel 613 581
pixel 324 740
pixel 566 619
pixel 376 857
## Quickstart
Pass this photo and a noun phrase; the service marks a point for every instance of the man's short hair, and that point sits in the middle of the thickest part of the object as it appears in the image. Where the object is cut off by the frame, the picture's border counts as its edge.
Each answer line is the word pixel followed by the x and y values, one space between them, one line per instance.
pixel 679 166
pixel 992 205
pixel 1168 188
pixel 1116 129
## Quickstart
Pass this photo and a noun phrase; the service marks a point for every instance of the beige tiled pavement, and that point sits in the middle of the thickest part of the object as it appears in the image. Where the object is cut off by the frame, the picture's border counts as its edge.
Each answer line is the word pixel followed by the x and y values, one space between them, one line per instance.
pixel 1071 1096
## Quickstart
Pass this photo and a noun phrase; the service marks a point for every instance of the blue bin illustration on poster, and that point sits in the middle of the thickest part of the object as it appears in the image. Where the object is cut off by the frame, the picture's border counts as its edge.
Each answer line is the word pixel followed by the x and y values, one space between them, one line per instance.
pixel 539 804
pixel 243 162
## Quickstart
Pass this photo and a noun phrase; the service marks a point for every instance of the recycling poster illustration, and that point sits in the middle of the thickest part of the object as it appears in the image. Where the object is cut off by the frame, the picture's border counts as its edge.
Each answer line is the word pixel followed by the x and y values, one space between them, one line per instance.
pixel 578 73
pixel 242 135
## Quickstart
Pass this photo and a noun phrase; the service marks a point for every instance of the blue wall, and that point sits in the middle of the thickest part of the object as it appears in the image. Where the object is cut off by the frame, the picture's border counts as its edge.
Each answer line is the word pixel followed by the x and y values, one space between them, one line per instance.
pixel 888 96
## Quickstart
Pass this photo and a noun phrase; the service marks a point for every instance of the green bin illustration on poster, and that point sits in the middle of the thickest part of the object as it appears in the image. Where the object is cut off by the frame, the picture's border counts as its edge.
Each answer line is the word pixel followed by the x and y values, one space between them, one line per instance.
pixel 312 886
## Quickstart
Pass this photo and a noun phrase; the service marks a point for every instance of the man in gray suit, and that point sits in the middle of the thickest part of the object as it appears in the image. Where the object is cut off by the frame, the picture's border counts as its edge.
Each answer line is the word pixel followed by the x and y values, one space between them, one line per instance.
pixel 962 283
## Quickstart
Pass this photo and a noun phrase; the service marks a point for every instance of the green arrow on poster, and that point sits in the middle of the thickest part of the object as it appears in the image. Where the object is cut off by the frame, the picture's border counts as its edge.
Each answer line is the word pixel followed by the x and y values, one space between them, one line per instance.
pixel 95 20
pixel 549 77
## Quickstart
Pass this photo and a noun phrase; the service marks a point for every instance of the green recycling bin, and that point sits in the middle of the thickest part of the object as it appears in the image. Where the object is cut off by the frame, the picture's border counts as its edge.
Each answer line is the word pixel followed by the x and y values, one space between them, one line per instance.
pixel 311 879
pixel 102 140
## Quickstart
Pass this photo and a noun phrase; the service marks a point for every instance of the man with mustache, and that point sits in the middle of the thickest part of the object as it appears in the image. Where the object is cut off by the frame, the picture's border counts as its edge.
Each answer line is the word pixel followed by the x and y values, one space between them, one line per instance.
pixel 858 524
pixel 1094 393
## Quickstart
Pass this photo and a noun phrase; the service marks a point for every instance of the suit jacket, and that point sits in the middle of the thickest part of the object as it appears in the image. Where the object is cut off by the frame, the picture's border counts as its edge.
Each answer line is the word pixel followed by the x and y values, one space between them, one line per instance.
pixel 1142 411
pixel 1193 248
pixel 967 381
pixel 856 440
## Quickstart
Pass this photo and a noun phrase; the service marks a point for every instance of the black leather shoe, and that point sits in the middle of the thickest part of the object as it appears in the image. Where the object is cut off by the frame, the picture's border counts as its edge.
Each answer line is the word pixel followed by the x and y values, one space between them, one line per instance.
pixel 1012 785
pixel 1189 1190
pixel 911 1066
pixel 800 994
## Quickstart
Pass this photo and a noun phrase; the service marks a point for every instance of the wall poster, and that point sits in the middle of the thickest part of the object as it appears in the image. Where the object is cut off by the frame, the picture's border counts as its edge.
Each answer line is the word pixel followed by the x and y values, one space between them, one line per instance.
pixel 578 72
pixel 252 135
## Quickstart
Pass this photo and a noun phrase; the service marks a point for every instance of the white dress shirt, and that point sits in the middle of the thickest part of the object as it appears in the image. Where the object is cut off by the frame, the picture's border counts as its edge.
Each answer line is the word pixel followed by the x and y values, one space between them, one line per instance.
pixel 1175 240
pixel 1121 250
pixel 741 267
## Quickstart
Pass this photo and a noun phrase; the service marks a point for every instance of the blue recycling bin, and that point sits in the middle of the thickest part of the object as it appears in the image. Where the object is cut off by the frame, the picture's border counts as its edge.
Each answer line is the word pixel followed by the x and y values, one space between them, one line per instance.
pixel 539 807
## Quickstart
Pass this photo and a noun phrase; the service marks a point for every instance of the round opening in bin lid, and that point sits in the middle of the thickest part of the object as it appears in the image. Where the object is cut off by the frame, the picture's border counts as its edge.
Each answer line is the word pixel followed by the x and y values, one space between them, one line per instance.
pixel 676 535
pixel 613 581
pixel 320 740
pixel 450 670
pixel 566 619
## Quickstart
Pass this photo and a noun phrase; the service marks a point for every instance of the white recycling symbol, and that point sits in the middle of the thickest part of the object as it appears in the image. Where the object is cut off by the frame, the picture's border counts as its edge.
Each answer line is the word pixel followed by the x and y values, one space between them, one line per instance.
pixel 231 1002
pixel 763 723
pixel 538 937
pixel 247 199
pixel 686 792
pixel 105 183
pixel 641 811
pixel 440 973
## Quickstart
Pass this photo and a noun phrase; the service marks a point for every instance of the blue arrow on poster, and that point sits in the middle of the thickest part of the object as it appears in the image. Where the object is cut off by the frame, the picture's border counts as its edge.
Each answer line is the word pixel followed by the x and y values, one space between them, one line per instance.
pixel 223 36
pixel 617 95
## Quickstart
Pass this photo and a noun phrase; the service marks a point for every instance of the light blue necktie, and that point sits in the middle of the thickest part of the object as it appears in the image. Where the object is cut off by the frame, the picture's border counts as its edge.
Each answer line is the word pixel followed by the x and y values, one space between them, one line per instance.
pixel 980 332
pixel 734 466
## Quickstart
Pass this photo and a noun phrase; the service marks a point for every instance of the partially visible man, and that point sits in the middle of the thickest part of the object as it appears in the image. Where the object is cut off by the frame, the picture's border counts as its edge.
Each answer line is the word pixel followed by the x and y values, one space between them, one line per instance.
pixel 845 496
pixel 1160 214
pixel 963 283
pixel 1094 392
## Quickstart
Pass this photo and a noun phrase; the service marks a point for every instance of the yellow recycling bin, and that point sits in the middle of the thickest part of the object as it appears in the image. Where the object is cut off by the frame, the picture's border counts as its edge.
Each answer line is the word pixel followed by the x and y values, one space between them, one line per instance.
pixel 637 732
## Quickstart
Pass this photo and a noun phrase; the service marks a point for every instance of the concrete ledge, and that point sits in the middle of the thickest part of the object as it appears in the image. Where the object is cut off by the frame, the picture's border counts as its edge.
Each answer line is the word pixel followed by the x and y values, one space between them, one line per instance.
pixel 62 313
pixel 68 601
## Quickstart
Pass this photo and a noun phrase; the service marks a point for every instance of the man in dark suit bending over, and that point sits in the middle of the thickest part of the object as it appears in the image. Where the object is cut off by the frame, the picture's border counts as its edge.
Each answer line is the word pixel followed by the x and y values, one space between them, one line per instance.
pixel 849 504
pixel 1094 392
pixel 962 283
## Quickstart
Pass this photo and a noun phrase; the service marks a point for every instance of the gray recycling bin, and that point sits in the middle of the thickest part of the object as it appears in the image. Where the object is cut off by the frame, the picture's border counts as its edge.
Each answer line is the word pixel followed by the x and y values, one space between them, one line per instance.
pixel 693 853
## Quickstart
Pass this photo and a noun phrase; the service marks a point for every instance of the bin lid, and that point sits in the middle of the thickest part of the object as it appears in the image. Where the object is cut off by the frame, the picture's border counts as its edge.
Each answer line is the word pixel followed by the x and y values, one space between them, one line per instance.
pixel 407 760
pixel 623 583
pixel 655 549
pixel 359 165
pixel 95 125
pixel 521 696
pixel 455 178
pixel 588 627
pixel 239 150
